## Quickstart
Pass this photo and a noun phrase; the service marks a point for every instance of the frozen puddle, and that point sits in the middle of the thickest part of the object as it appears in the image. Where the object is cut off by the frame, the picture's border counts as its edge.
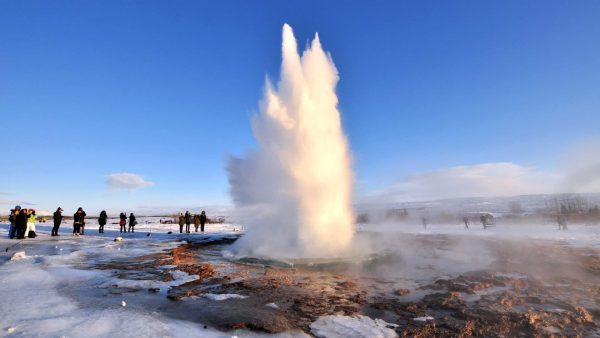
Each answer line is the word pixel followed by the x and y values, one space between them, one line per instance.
pixel 358 327
pixel 224 296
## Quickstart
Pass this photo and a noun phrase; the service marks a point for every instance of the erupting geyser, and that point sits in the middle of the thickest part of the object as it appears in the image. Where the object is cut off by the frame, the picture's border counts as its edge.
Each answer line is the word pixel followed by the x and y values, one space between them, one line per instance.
pixel 294 191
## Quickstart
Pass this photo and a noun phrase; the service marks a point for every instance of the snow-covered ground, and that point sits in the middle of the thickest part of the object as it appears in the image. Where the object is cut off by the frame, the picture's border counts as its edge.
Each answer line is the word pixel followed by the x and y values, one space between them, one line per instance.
pixel 39 292
pixel 576 235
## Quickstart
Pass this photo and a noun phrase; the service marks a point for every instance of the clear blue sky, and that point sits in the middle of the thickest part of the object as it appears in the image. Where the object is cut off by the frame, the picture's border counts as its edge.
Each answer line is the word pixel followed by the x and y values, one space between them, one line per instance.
pixel 165 89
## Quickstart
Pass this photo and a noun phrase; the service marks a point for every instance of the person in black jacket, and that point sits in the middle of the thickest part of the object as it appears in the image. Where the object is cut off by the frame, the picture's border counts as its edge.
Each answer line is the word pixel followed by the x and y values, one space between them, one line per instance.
pixel 132 222
pixel 188 221
pixel 202 220
pixel 102 221
pixel 83 214
pixel 57 220
pixel 12 219
pixel 123 222
pixel 78 222
pixel 21 223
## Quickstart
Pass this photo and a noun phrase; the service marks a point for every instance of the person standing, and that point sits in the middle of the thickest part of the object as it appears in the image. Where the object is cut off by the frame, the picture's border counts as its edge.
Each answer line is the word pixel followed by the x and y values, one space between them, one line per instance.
pixel 21 223
pixel 12 219
pixel 202 220
pixel 102 221
pixel 466 221
pixel 562 222
pixel 132 222
pixel 78 221
pixel 57 220
pixel 181 222
pixel 83 214
pixel 123 222
pixel 188 221
pixel 424 222
pixel 196 221
pixel 31 219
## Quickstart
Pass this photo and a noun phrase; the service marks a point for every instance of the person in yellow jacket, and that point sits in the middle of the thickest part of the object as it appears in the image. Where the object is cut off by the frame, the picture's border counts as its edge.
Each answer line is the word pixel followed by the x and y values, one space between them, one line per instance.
pixel 31 219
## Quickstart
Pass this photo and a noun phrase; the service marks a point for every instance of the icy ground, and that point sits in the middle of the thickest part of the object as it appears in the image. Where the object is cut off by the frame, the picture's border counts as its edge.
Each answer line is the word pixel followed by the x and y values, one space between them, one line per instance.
pixel 577 236
pixel 52 291
pixel 41 294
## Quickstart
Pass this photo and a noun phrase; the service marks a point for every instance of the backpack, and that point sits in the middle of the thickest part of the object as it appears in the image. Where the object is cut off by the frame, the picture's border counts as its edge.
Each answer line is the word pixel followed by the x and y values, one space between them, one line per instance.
pixel 31 234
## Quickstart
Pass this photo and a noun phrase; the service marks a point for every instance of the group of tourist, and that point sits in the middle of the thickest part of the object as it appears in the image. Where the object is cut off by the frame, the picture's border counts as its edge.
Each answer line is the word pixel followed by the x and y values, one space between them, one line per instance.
pixel 187 219
pixel 123 222
pixel 22 222
pixel 78 222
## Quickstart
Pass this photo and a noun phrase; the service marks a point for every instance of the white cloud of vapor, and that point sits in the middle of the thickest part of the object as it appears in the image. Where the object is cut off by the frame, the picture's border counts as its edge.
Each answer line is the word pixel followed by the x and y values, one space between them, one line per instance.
pixel 582 167
pixel 481 180
pixel 127 181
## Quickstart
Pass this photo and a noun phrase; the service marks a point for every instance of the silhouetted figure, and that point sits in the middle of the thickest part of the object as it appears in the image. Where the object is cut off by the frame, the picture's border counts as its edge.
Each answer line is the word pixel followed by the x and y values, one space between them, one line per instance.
pixel 202 220
pixel 102 221
pixel 188 221
pixel 79 222
pixel 483 220
pixel 196 221
pixel 57 218
pixel 466 221
pixel 132 222
pixel 12 230
pixel 181 222
pixel 21 223
pixel 562 222
pixel 122 223
pixel 424 222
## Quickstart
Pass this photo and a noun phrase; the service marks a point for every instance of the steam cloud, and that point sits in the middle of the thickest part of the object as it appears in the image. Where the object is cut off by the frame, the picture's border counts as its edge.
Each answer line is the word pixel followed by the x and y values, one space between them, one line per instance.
pixel 294 191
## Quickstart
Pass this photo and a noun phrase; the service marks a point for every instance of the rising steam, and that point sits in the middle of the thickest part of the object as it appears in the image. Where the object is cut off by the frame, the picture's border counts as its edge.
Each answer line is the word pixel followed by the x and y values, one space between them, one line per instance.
pixel 294 191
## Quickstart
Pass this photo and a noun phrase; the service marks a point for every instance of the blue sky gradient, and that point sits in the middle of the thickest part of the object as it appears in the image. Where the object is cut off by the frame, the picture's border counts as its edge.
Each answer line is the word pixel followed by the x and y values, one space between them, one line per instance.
pixel 166 90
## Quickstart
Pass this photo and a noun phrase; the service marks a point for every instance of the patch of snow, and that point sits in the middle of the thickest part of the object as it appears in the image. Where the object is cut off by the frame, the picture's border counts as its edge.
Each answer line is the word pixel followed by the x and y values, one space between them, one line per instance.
pixel 272 305
pixel 359 326
pixel 223 296
pixel 423 319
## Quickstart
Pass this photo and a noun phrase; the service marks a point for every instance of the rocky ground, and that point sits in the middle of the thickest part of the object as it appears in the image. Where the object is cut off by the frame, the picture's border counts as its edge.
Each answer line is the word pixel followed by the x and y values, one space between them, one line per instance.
pixel 529 289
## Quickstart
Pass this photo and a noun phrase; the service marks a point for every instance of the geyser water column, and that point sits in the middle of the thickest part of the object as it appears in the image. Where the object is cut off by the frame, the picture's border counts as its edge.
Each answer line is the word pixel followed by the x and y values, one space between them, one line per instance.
pixel 294 191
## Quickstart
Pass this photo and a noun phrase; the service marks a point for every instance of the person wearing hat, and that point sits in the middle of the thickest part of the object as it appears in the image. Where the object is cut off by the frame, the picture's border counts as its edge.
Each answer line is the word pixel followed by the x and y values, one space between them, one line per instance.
pixel 21 223
pixel 31 219
pixel 57 220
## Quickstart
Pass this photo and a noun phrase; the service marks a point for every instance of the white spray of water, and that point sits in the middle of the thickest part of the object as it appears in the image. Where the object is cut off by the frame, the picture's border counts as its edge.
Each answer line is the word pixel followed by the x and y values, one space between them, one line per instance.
pixel 294 191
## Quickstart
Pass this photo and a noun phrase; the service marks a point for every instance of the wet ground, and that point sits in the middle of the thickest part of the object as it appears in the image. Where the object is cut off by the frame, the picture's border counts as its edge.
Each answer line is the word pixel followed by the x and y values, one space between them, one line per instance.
pixel 430 285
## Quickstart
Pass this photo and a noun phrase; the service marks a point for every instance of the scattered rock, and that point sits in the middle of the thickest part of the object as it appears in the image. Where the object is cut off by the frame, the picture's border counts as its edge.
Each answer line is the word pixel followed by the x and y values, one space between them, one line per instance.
pixel 17 256
pixel 401 292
